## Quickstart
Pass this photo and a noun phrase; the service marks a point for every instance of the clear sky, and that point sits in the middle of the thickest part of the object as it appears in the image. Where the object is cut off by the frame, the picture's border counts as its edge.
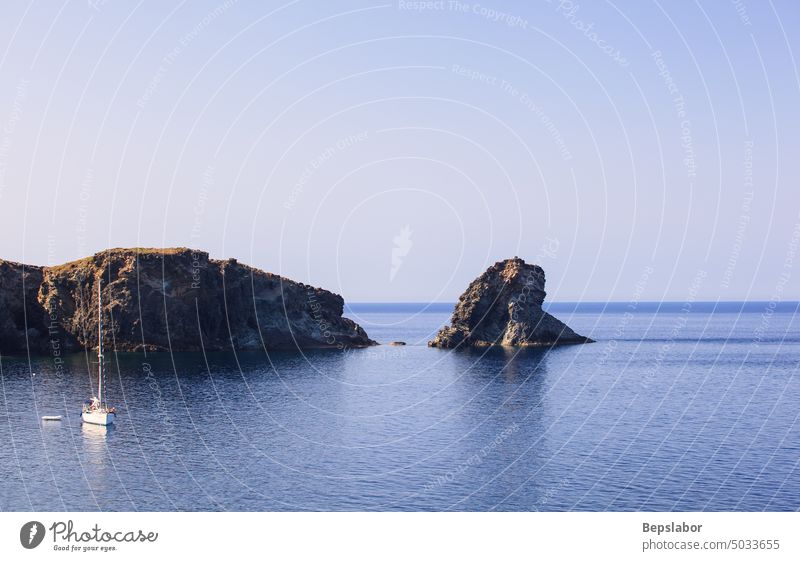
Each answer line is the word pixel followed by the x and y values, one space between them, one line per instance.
pixel 393 151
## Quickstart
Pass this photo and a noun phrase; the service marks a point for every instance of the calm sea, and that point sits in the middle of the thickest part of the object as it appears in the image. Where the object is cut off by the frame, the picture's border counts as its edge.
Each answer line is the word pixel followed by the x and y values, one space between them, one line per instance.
pixel 670 410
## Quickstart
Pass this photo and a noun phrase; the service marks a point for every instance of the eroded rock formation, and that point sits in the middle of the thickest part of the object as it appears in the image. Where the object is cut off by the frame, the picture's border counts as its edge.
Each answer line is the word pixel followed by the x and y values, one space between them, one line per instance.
pixel 166 299
pixel 503 306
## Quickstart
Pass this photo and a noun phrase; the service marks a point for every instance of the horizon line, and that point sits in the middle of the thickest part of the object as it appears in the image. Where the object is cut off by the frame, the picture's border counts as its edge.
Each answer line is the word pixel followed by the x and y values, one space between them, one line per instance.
pixel 426 303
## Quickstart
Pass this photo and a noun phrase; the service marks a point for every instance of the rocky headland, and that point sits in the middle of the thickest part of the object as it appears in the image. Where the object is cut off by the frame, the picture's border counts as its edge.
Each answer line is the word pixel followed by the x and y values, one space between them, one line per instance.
pixel 166 300
pixel 503 307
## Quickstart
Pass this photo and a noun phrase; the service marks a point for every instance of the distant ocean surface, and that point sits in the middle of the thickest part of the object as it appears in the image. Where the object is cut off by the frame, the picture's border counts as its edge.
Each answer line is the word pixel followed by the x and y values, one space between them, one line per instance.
pixel 671 409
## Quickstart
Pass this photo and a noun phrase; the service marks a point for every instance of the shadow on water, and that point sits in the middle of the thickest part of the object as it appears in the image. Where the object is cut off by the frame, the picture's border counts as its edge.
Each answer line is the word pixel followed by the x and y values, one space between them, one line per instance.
pixel 227 362
pixel 504 363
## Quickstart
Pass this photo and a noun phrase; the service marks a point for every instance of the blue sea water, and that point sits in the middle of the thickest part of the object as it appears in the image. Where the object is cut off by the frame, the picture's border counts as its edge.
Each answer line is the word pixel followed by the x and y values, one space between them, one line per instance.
pixel 671 409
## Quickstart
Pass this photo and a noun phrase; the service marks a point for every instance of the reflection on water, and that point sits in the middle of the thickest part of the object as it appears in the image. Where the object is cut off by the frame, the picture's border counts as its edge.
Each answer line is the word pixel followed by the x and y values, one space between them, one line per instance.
pixel 512 365
pixel 589 427
pixel 95 447
pixel 95 435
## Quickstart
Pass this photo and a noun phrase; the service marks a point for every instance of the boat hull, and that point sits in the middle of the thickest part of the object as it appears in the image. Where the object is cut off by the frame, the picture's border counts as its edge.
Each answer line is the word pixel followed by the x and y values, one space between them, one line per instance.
pixel 103 418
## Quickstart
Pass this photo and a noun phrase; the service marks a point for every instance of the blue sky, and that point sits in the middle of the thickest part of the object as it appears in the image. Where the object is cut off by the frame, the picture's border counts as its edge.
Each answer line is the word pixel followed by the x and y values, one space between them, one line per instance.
pixel 393 151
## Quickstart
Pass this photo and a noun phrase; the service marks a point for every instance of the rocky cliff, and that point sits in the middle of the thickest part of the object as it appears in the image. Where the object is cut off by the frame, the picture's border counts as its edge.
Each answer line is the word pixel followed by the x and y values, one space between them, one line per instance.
pixel 503 306
pixel 22 321
pixel 166 299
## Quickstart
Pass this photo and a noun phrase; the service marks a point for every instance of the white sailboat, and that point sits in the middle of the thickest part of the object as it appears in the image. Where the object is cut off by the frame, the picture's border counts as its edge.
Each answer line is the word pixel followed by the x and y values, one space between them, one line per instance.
pixel 96 411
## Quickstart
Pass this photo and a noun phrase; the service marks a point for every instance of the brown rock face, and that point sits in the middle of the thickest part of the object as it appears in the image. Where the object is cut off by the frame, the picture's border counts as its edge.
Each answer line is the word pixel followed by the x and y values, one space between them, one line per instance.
pixel 22 320
pixel 167 299
pixel 503 306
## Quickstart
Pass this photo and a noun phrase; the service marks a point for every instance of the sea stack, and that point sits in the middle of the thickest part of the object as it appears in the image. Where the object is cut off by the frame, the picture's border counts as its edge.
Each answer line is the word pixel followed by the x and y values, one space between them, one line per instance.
pixel 166 300
pixel 503 307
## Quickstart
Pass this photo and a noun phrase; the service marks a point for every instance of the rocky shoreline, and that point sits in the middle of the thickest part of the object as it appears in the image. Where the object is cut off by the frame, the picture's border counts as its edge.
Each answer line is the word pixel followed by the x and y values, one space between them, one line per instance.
pixel 503 307
pixel 179 299
pixel 166 300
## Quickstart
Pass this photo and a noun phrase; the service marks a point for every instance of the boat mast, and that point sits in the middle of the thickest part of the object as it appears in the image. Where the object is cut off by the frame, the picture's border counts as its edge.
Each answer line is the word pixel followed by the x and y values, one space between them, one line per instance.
pixel 99 347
